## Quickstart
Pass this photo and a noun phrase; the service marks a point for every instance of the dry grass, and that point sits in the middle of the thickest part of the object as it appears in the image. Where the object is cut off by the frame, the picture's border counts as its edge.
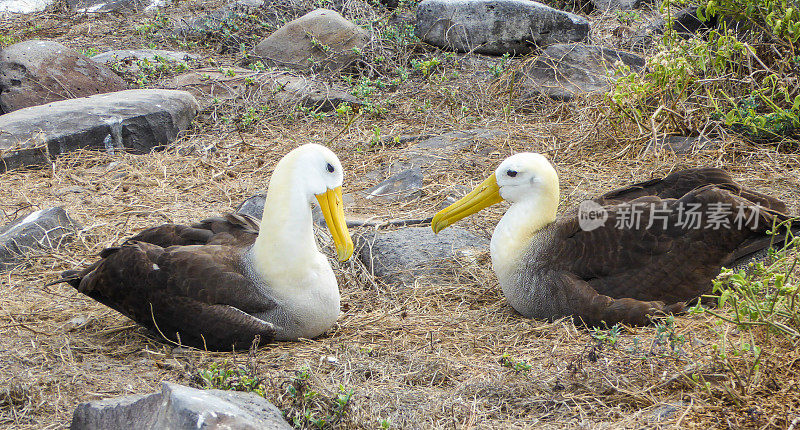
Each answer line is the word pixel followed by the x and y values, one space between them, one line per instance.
pixel 417 356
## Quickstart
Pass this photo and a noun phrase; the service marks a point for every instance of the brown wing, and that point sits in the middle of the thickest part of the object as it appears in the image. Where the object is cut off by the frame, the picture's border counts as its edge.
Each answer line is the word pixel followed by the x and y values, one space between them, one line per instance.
pixel 623 271
pixel 231 229
pixel 197 294
pixel 677 184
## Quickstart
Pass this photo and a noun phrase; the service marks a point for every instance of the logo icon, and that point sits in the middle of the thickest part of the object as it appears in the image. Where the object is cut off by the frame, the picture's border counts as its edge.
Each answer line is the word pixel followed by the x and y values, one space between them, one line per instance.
pixel 591 215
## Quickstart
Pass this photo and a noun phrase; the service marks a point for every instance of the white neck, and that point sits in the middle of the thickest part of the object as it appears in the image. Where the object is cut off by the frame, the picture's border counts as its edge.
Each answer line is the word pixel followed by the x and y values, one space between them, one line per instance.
pixel 285 249
pixel 513 234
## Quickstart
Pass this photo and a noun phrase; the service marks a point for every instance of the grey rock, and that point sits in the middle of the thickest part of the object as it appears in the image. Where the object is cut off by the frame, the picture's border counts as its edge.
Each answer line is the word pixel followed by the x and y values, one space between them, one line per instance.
pixel 101 6
pixel 178 407
pixel 321 39
pixel 35 72
pixel 496 27
pixel 287 89
pixel 404 185
pixel 39 231
pixel 128 59
pixel 24 6
pixel 681 144
pixel 412 253
pixel 253 206
pixel 564 71
pixel 132 120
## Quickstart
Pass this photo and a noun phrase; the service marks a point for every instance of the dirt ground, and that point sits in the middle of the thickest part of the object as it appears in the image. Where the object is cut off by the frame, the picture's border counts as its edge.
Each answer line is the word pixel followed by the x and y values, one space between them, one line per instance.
pixel 446 355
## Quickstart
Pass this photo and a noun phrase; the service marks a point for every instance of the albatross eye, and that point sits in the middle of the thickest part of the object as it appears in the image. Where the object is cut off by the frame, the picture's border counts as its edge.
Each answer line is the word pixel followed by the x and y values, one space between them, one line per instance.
pixel 330 167
pixel 511 173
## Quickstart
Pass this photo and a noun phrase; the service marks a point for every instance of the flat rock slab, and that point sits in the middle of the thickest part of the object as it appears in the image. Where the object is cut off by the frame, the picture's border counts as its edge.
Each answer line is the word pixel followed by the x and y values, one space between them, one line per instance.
pixel 564 71
pixel 496 27
pixel 39 231
pixel 104 6
pixel 321 39
pixel 415 253
pixel 285 88
pixel 178 407
pixel 132 120
pixel 129 59
pixel 36 72
pixel 404 185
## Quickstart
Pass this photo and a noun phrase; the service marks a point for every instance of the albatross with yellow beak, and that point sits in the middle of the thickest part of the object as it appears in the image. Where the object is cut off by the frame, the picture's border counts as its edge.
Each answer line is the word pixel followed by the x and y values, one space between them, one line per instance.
pixel 219 283
pixel 615 270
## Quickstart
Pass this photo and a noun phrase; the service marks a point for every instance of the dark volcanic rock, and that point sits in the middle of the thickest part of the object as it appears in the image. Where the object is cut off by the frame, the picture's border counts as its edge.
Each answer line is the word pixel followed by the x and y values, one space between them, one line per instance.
pixel 35 72
pixel 564 71
pixel 320 39
pixel 132 120
pixel 178 407
pixel 39 231
pixel 400 186
pixel 496 27
pixel 412 253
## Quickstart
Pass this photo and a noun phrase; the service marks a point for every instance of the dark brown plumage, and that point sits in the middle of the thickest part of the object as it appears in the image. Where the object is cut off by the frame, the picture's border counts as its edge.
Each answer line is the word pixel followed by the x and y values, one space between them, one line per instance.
pixel 616 270
pixel 190 275
pixel 615 274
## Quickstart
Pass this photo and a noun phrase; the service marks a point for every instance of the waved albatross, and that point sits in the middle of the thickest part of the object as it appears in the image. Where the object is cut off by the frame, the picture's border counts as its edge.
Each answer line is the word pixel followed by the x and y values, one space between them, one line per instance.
pixel 218 283
pixel 615 269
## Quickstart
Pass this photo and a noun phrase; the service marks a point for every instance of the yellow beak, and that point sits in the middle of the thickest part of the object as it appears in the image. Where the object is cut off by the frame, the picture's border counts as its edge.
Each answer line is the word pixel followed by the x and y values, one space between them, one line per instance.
pixel 485 195
pixel 333 209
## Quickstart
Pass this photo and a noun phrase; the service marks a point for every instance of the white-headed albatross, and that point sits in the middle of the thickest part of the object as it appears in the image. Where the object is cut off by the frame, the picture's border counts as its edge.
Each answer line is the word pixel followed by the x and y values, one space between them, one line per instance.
pixel 615 270
pixel 218 283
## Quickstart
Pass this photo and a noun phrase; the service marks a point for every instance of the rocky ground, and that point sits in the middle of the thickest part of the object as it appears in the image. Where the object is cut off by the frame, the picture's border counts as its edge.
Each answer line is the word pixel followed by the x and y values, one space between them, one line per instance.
pixel 201 98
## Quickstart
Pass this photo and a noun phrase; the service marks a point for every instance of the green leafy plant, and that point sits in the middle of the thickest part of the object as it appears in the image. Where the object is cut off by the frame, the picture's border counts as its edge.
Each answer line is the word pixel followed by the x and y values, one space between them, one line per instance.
pixel 721 79
pixel 226 376
pixel 517 365
pixel 759 302
pixel 313 409
pixel 426 67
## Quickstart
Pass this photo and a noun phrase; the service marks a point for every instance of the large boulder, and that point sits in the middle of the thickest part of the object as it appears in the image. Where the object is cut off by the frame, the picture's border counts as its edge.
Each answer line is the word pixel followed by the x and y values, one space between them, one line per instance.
pixel 496 27
pixel 42 230
pixel 417 253
pixel 321 39
pixel 36 72
pixel 564 71
pixel 131 120
pixel 178 407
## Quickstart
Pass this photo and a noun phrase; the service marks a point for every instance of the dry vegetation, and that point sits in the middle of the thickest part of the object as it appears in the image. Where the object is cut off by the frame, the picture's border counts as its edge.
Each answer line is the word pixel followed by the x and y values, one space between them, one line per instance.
pixel 445 355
